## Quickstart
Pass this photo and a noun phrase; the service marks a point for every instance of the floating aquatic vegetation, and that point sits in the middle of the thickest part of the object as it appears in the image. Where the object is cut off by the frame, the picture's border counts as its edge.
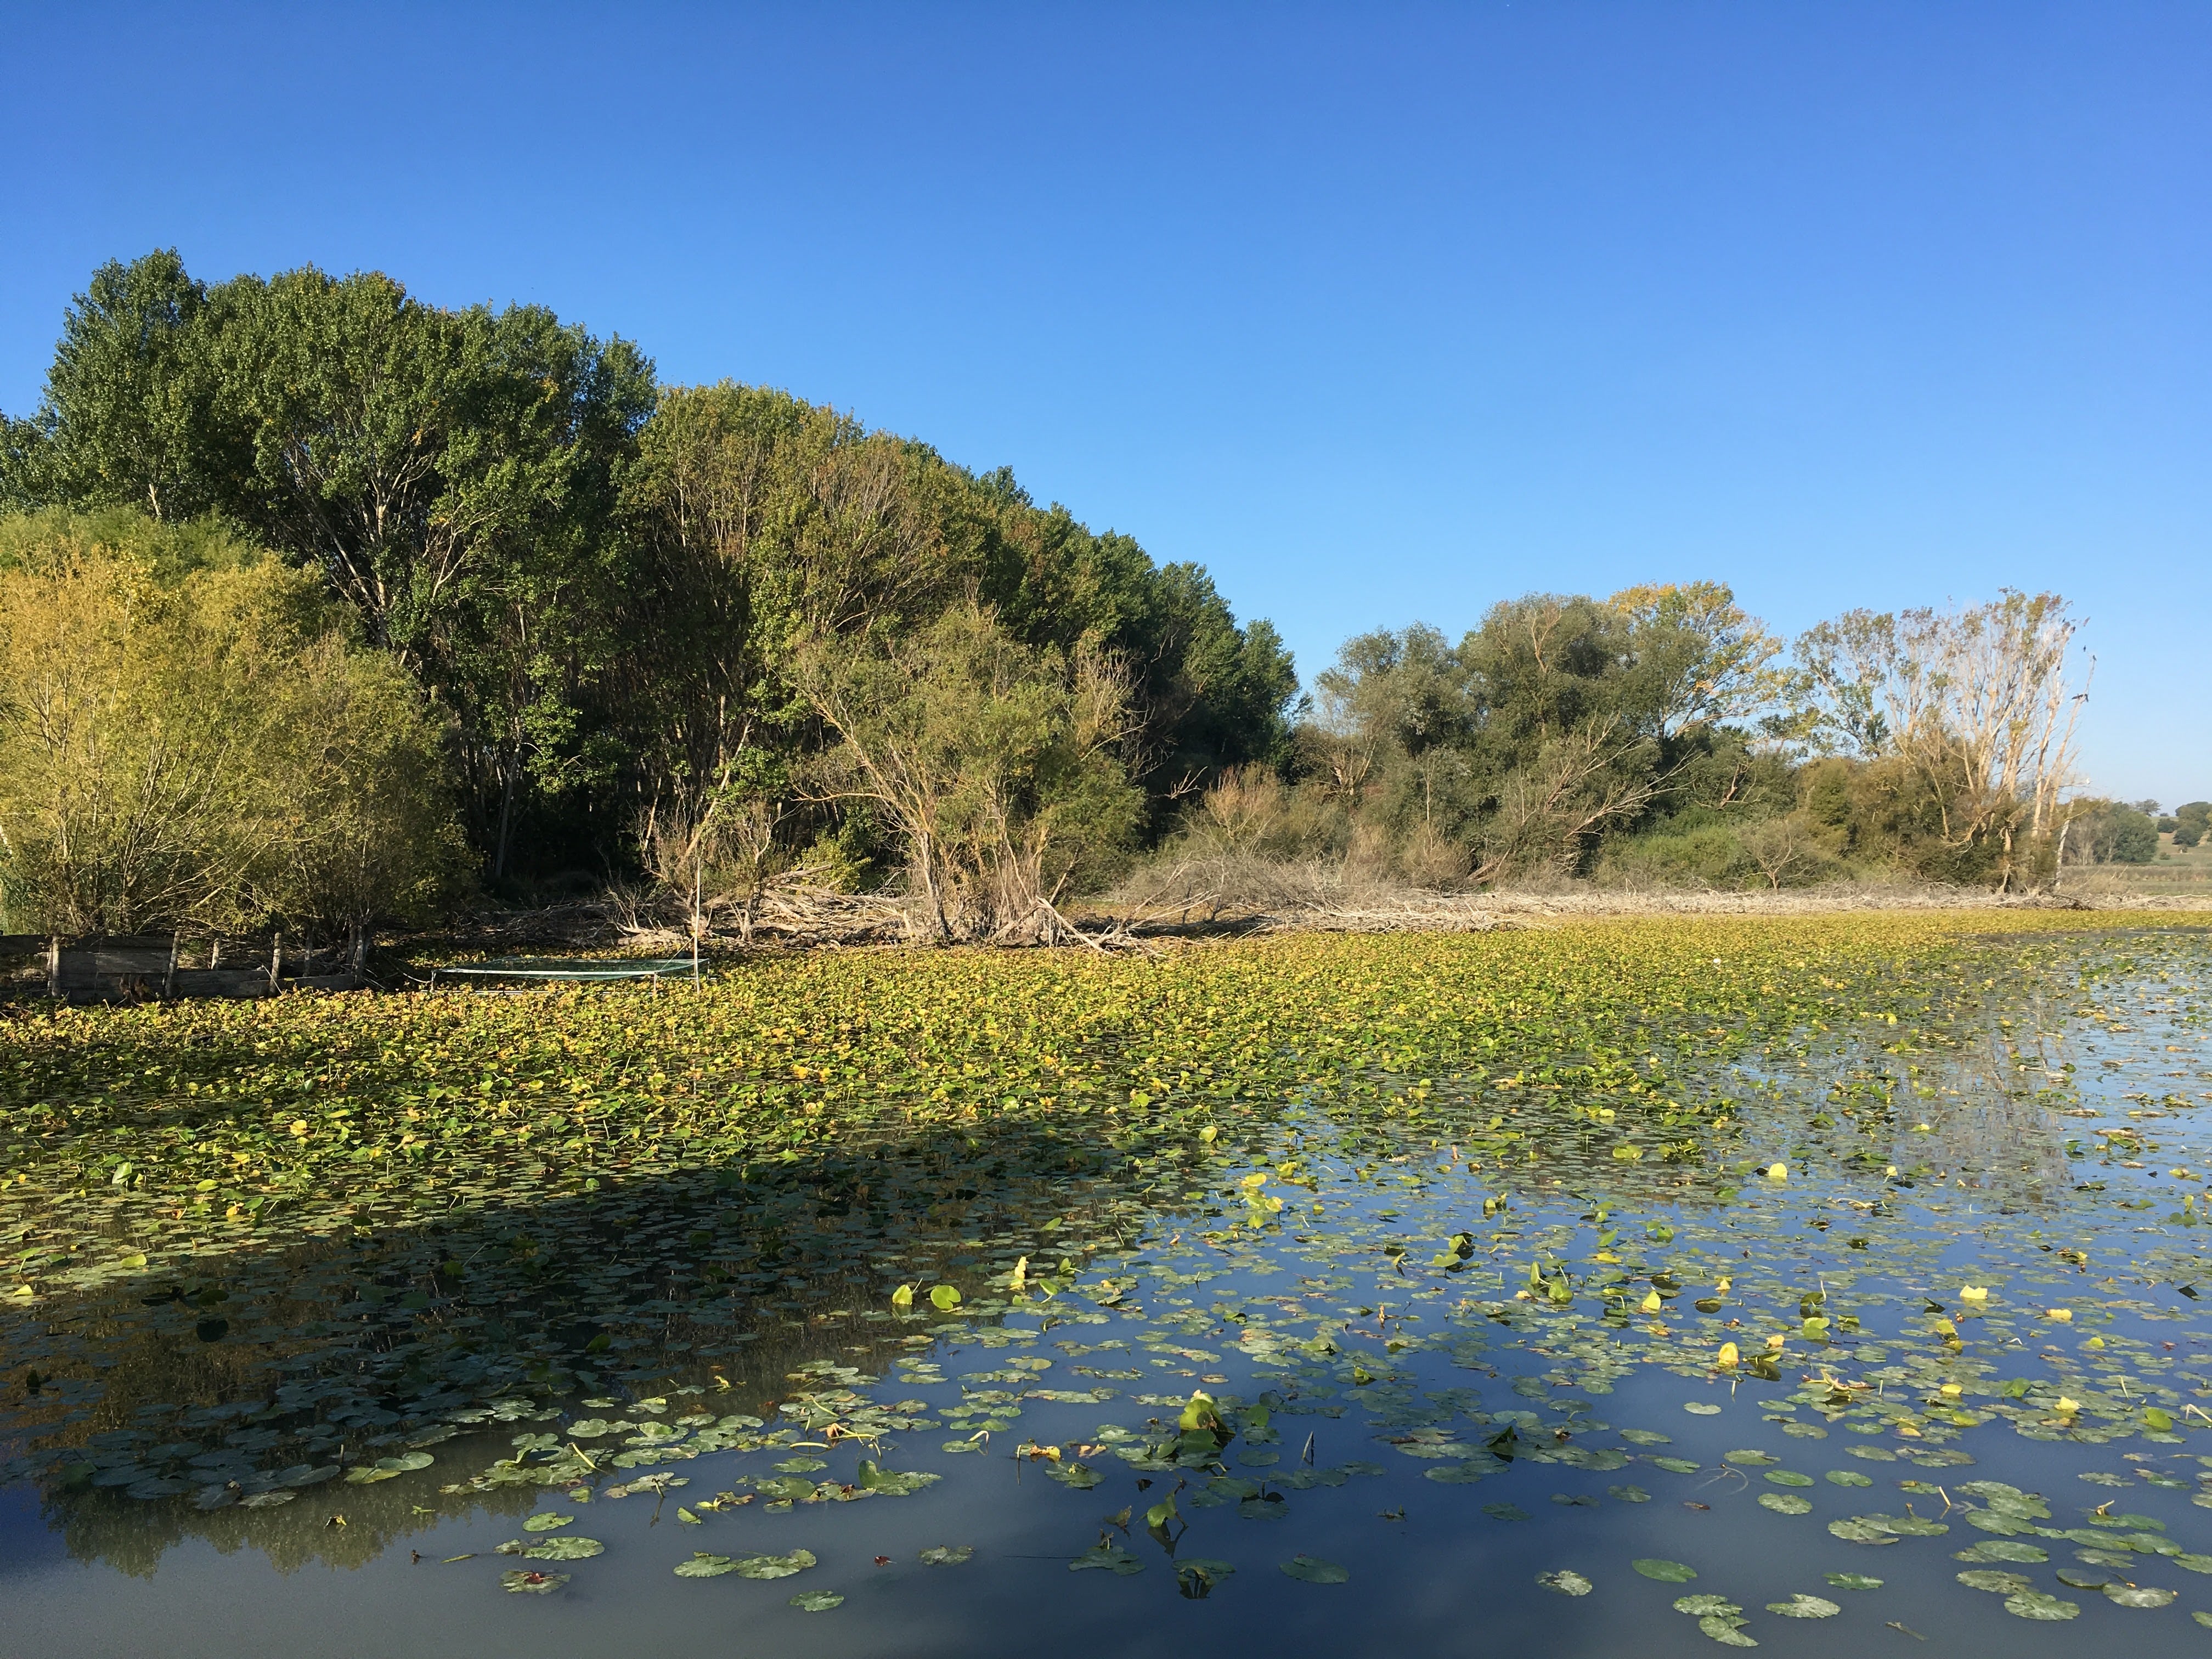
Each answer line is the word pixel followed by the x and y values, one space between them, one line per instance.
pixel 1382 1203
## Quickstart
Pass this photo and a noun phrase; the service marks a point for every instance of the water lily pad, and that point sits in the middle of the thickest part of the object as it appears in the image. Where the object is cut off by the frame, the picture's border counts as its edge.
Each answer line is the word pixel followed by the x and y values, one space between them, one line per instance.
pixel 1703 1606
pixel 1315 1570
pixel 1628 1494
pixel 1667 1573
pixel 773 1567
pixel 816 1600
pixel 1987 1578
pixel 2138 1595
pixel 1858 1529
pixel 801 1465
pixel 569 1547
pixel 2003 1549
pixel 1565 1582
pixel 1847 1477
pixel 531 1584
pixel 1196 1577
pixel 2082 1580
pixel 2035 1604
pixel 1108 1556
pixel 947 1555
pixel 1676 1465
pixel 1802 1605
pixel 1784 1502
pixel 1505 1511
pixel 1851 1581
pixel 546 1521
pixel 1701 1408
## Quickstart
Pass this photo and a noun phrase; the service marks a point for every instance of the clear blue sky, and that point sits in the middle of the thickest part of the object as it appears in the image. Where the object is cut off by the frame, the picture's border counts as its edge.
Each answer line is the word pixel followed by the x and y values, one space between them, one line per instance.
pixel 1379 311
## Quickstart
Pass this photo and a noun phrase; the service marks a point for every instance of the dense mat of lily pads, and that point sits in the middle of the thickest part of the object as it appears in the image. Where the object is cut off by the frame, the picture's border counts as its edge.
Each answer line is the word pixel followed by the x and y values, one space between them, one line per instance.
pixel 1880 1195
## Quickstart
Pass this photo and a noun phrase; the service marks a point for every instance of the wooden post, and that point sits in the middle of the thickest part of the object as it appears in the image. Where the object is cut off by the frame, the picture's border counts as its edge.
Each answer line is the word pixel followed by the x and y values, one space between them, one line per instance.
pixel 276 961
pixel 169 979
pixel 54 966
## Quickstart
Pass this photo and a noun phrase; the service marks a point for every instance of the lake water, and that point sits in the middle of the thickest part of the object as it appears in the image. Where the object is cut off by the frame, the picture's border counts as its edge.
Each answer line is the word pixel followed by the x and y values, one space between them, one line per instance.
pixel 1466 1382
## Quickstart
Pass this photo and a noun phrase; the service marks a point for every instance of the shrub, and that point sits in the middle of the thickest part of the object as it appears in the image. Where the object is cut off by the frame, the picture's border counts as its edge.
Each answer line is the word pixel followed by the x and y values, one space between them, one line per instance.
pixel 186 734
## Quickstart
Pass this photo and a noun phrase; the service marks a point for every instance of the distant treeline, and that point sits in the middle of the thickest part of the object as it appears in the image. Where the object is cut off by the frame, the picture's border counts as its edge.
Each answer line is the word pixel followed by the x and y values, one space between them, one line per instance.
pixel 393 599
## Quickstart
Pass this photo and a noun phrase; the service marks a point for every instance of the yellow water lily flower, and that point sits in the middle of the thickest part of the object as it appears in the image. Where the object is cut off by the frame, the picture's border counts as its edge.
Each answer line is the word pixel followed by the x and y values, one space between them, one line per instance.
pixel 1775 1341
pixel 1728 1357
pixel 2063 1316
pixel 1949 1389
pixel 1973 1293
pixel 1721 1287
pixel 1651 1303
pixel 2066 1407
pixel 1778 1172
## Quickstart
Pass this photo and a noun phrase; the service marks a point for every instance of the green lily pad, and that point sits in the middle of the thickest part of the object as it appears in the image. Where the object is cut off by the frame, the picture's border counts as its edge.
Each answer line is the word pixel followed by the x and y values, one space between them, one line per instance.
pixel 1856 1529
pixel 1851 1581
pixel 1628 1494
pixel 531 1584
pixel 1847 1478
pixel 2082 1580
pixel 546 1521
pixel 1565 1582
pixel 1108 1556
pixel 816 1600
pixel 1646 1437
pixel 567 1548
pixel 1782 1502
pixel 703 1566
pixel 1802 1605
pixel 1703 1606
pixel 890 1483
pixel 2035 1604
pixel 1676 1465
pixel 801 1465
pixel 947 1555
pixel 1667 1573
pixel 2003 1549
pixel 1196 1576
pixel 1787 1478
pixel 1987 1578
pixel 1701 1408
pixel 1315 1570
pixel 1458 1474
pixel 773 1567
pixel 1505 1511
pixel 2138 1595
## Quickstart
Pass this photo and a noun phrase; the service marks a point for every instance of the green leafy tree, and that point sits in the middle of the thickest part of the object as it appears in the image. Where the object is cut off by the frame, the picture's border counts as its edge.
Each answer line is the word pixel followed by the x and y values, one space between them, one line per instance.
pixel 187 733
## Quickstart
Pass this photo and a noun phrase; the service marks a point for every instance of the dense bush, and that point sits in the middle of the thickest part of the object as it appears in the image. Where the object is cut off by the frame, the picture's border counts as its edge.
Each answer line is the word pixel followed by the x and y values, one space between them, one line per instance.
pixel 188 733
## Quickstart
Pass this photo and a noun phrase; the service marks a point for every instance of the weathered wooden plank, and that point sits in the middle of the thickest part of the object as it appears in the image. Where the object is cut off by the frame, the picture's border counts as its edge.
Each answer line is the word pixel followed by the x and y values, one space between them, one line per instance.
pixel 222 982
pixel 104 958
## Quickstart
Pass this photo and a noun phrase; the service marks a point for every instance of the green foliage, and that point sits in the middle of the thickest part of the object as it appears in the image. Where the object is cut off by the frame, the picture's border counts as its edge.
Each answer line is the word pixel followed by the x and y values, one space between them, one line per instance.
pixel 2110 832
pixel 1562 720
pixel 997 762
pixel 186 734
